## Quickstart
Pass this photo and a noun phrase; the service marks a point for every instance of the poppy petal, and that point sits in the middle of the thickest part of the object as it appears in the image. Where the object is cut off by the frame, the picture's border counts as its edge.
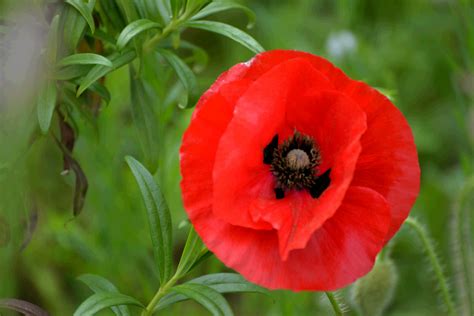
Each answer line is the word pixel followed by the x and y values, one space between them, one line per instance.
pixel 342 250
pixel 388 162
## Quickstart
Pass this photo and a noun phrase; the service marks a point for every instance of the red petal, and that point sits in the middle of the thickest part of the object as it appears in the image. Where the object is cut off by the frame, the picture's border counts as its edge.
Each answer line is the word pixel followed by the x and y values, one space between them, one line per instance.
pixel 388 162
pixel 198 149
pixel 341 251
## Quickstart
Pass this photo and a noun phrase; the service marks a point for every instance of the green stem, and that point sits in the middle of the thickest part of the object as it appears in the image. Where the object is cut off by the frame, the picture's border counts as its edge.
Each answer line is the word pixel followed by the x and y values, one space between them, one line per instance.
pixel 429 247
pixel 335 305
pixel 170 28
pixel 162 291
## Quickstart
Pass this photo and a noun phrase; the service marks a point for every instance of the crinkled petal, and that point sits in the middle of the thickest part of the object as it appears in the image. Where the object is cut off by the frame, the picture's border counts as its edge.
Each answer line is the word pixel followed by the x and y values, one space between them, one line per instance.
pixel 210 118
pixel 341 251
pixel 388 162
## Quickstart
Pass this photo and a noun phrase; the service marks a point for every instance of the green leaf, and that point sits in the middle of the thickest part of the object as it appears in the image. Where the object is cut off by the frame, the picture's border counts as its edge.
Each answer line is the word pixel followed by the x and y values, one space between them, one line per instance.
pixel 159 218
pixel 133 29
pixel 103 300
pixel 71 72
pixel 185 75
pixel 228 31
pixel 193 6
pixel 85 9
pixel 85 59
pixel 206 296
pixel 164 10
pixel 176 6
pixel 220 282
pixel 100 284
pixel 72 26
pixel 219 6
pixel 144 117
pixel 128 8
pixel 191 252
pixel 111 16
pixel 229 283
pixel 46 105
pixel 53 40
pixel 101 90
pixel 98 71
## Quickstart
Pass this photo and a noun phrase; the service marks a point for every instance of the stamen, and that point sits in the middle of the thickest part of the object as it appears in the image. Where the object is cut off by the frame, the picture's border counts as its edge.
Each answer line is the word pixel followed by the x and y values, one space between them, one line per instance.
pixel 297 159
pixel 294 164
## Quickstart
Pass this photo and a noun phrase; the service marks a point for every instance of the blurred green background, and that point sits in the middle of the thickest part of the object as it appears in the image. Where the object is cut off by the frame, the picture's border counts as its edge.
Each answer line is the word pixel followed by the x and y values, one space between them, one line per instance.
pixel 420 53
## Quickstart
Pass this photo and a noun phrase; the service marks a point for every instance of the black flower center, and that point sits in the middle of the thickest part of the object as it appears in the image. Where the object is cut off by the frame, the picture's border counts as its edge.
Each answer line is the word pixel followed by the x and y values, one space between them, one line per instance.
pixel 294 163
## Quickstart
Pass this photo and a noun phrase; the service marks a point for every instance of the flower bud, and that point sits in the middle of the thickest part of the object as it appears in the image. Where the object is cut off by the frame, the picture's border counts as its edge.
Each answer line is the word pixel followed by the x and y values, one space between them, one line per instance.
pixel 373 293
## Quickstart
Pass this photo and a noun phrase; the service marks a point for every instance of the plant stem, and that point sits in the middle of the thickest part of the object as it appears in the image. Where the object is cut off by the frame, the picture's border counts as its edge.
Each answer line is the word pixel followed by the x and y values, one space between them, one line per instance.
pixel 335 305
pixel 462 250
pixel 429 248
pixel 162 291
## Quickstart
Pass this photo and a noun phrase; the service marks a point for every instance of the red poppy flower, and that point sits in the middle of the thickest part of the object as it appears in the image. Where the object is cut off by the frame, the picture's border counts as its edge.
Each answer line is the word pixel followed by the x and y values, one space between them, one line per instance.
pixel 294 174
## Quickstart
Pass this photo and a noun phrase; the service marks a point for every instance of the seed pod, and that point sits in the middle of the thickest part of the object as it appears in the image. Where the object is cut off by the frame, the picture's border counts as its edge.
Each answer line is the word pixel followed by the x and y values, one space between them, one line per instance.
pixel 373 293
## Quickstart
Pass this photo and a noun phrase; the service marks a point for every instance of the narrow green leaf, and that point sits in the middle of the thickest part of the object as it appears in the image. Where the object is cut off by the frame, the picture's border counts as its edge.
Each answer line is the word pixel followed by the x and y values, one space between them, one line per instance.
pixel 71 72
pixel 85 9
pixel 228 31
pixel 192 250
pixel 46 105
pixel 146 122
pixel 100 284
pixel 193 6
pixel 220 282
pixel 229 283
pixel 185 75
pixel 103 300
pixel 206 296
pixel 176 6
pixel 72 26
pixel 219 6
pixel 85 59
pixel 159 218
pixel 164 9
pixel 98 71
pixel 101 90
pixel 128 8
pixel 133 29
pixel 53 40
pixel 111 16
